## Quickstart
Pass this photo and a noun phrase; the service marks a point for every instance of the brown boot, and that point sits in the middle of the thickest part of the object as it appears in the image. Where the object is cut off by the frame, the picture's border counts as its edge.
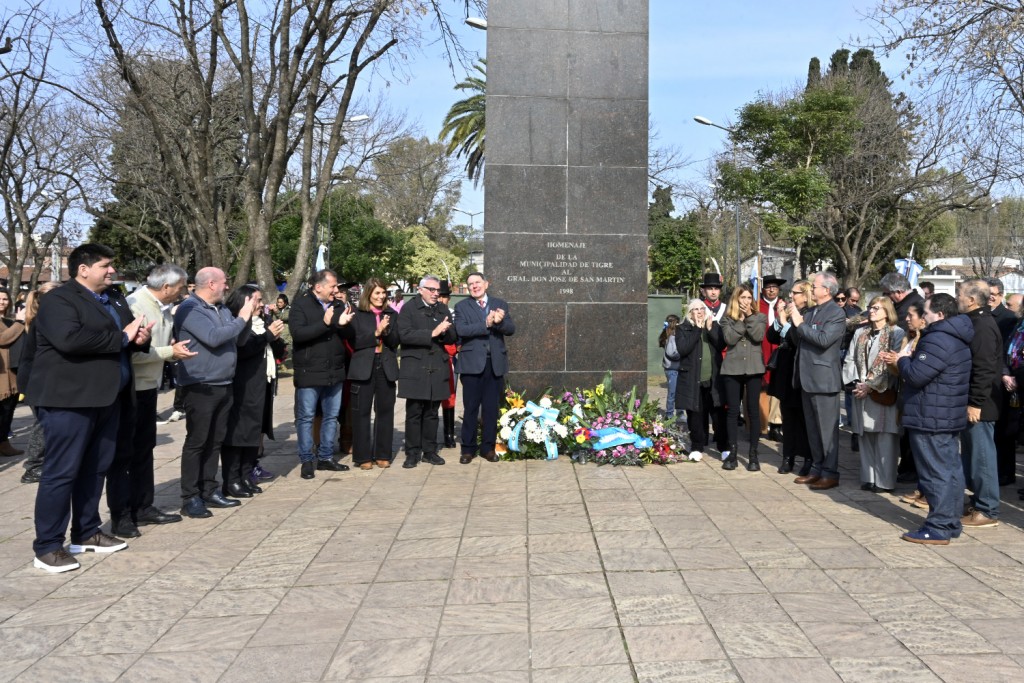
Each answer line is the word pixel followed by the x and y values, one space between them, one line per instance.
pixel 7 449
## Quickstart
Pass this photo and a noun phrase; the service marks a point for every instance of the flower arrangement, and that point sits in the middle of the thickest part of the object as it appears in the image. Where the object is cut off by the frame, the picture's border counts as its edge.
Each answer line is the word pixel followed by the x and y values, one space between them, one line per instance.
pixel 590 425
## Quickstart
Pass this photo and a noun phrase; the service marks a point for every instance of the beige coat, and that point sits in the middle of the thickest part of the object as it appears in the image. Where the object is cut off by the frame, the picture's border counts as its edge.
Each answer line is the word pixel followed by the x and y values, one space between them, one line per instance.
pixel 10 330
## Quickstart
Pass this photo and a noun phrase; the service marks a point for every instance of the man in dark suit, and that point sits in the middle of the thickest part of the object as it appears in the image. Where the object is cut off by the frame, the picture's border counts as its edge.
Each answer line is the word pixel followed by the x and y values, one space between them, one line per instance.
pixel 482 323
pixel 85 334
pixel 1008 423
pixel 424 326
pixel 820 336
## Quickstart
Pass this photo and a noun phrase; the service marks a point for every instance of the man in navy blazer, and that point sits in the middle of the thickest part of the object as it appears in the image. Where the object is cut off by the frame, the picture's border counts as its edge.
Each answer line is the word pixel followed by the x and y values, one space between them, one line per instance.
pixel 482 323
pixel 820 333
pixel 85 333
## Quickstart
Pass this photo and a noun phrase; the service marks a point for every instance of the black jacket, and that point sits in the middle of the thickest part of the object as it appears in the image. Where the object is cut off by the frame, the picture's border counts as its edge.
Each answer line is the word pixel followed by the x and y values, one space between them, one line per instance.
pixel 691 351
pixel 1007 323
pixel 423 373
pixel 318 350
pixel 364 344
pixel 78 350
pixel 987 361
pixel 784 383
pixel 251 391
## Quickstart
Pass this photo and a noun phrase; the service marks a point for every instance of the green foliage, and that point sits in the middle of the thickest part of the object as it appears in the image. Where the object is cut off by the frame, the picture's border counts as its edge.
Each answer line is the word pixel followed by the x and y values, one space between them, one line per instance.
pixel 464 124
pixel 675 256
pixel 360 245
pixel 426 257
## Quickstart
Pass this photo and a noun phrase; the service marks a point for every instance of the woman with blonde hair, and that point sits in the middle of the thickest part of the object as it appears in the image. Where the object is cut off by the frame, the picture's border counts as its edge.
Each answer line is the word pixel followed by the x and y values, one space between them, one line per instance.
pixel 874 418
pixel 699 342
pixel 743 328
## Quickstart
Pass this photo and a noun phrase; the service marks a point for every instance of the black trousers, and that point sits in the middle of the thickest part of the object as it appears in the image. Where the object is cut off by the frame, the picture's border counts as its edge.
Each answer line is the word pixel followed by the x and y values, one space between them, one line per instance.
pixel 206 422
pixel 237 463
pixel 480 396
pixel 130 477
pixel 421 427
pixel 7 407
pixel 698 422
pixel 735 385
pixel 80 446
pixel 794 431
pixel 376 396
pixel 1006 430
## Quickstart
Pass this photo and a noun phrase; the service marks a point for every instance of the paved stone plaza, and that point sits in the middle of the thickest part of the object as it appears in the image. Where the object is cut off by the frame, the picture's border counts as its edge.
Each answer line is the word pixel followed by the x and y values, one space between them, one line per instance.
pixel 543 572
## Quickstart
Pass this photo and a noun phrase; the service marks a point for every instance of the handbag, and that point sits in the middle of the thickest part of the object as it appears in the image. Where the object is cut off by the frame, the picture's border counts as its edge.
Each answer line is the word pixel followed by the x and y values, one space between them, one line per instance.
pixel 884 398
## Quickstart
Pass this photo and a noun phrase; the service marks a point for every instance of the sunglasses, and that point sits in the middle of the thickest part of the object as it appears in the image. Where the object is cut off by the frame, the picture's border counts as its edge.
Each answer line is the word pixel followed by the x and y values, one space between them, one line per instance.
pixel 840 298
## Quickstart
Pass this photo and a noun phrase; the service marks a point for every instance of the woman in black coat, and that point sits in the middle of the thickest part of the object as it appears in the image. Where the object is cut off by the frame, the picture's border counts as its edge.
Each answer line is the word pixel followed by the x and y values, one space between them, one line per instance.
pixel 784 376
pixel 253 388
pixel 699 343
pixel 373 374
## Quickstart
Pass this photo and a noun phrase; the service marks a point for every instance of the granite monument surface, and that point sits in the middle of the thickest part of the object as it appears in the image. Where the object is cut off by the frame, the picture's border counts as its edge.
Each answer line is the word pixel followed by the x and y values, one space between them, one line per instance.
pixel 566 187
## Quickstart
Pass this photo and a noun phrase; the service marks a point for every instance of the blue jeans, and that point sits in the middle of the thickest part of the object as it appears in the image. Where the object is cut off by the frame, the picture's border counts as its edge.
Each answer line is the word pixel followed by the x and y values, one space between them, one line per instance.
pixel 940 478
pixel 306 399
pixel 978 450
pixel 670 400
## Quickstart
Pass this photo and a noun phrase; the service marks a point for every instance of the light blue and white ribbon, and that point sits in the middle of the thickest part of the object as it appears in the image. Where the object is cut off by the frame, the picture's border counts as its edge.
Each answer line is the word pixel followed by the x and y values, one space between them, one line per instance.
pixel 546 419
pixel 610 437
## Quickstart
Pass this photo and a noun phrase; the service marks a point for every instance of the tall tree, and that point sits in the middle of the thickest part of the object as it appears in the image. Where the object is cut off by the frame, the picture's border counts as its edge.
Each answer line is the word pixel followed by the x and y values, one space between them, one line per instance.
pixel 40 147
pixel 968 57
pixel 675 257
pixel 297 64
pixel 464 124
pixel 414 183
pixel 846 165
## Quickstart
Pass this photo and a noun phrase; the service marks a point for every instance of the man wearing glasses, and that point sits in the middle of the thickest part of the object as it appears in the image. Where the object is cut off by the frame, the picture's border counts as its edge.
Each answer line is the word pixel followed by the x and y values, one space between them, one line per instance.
pixel 425 325
pixel 319 325
pixel 1006 425
pixel 820 337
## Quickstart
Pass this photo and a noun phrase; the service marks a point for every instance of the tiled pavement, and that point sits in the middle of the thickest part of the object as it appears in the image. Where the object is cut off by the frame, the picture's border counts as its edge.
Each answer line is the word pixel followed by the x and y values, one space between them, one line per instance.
pixel 543 572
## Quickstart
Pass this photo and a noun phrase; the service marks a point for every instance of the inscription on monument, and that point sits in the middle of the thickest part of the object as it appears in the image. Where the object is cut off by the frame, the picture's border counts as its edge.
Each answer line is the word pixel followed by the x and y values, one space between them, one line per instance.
pixel 566 264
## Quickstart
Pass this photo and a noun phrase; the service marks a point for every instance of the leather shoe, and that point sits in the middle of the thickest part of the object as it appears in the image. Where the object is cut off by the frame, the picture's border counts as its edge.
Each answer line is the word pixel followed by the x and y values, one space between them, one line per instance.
pixel 236 490
pixel 383 464
pixel 466 458
pixel 216 500
pixel 807 479
pixel 195 507
pixel 31 477
pixel 432 458
pixel 331 465
pixel 490 456
pixel 153 515
pixel 411 461
pixel 824 484
pixel 308 470
pixel 123 526
pixel 253 488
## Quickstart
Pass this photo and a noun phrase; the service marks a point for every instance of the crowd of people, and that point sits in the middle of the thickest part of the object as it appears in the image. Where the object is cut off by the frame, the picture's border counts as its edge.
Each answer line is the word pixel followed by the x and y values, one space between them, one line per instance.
pixel 90 363
pixel 929 383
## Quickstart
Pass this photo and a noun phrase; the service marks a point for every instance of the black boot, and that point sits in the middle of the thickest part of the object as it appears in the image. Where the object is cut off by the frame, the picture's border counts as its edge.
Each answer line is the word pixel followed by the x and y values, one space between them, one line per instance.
pixel 805 469
pixel 752 464
pixel 854 443
pixel 730 462
pixel 449 427
pixel 787 464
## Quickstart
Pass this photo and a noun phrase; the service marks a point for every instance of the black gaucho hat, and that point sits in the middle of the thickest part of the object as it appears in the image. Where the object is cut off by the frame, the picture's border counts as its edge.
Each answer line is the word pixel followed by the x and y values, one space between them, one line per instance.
pixel 712 280
pixel 773 280
pixel 446 288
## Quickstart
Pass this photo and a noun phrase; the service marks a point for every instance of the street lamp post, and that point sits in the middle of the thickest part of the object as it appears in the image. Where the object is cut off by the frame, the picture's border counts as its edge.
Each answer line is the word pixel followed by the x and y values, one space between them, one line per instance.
pixel 704 121
pixel 471 214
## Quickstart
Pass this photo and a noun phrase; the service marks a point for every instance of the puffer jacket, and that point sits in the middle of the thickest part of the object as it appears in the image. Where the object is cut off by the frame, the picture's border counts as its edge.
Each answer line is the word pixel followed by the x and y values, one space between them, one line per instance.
pixel 936 376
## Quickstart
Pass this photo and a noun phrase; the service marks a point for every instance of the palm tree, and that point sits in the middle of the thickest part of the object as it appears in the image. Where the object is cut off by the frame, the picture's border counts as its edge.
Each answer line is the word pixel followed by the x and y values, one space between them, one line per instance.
pixel 463 125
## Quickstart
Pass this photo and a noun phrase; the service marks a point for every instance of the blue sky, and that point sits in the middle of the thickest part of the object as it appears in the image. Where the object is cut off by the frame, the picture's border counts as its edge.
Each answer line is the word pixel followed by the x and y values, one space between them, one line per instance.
pixel 706 59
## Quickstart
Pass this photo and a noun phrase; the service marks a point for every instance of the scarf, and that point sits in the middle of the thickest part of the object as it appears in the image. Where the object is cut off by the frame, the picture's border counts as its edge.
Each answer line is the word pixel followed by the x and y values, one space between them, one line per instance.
pixel 874 373
pixel 259 328
pixel 380 340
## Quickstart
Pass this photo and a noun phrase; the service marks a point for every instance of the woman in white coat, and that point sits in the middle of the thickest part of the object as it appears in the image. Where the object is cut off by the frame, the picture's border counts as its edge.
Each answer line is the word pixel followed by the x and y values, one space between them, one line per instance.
pixel 875 416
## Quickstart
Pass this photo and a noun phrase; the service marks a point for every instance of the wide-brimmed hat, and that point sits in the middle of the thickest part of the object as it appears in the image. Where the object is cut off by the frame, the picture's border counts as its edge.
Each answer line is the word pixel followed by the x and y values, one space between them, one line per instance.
pixel 446 288
pixel 712 280
pixel 773 280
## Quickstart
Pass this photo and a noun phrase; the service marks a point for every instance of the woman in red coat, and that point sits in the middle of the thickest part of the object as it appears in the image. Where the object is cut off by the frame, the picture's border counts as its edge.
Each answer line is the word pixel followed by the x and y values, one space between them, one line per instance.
pixel 448 405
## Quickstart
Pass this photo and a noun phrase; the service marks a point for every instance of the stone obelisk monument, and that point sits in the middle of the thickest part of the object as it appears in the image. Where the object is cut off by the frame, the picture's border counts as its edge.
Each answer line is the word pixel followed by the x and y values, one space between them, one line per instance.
pixel 566 187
